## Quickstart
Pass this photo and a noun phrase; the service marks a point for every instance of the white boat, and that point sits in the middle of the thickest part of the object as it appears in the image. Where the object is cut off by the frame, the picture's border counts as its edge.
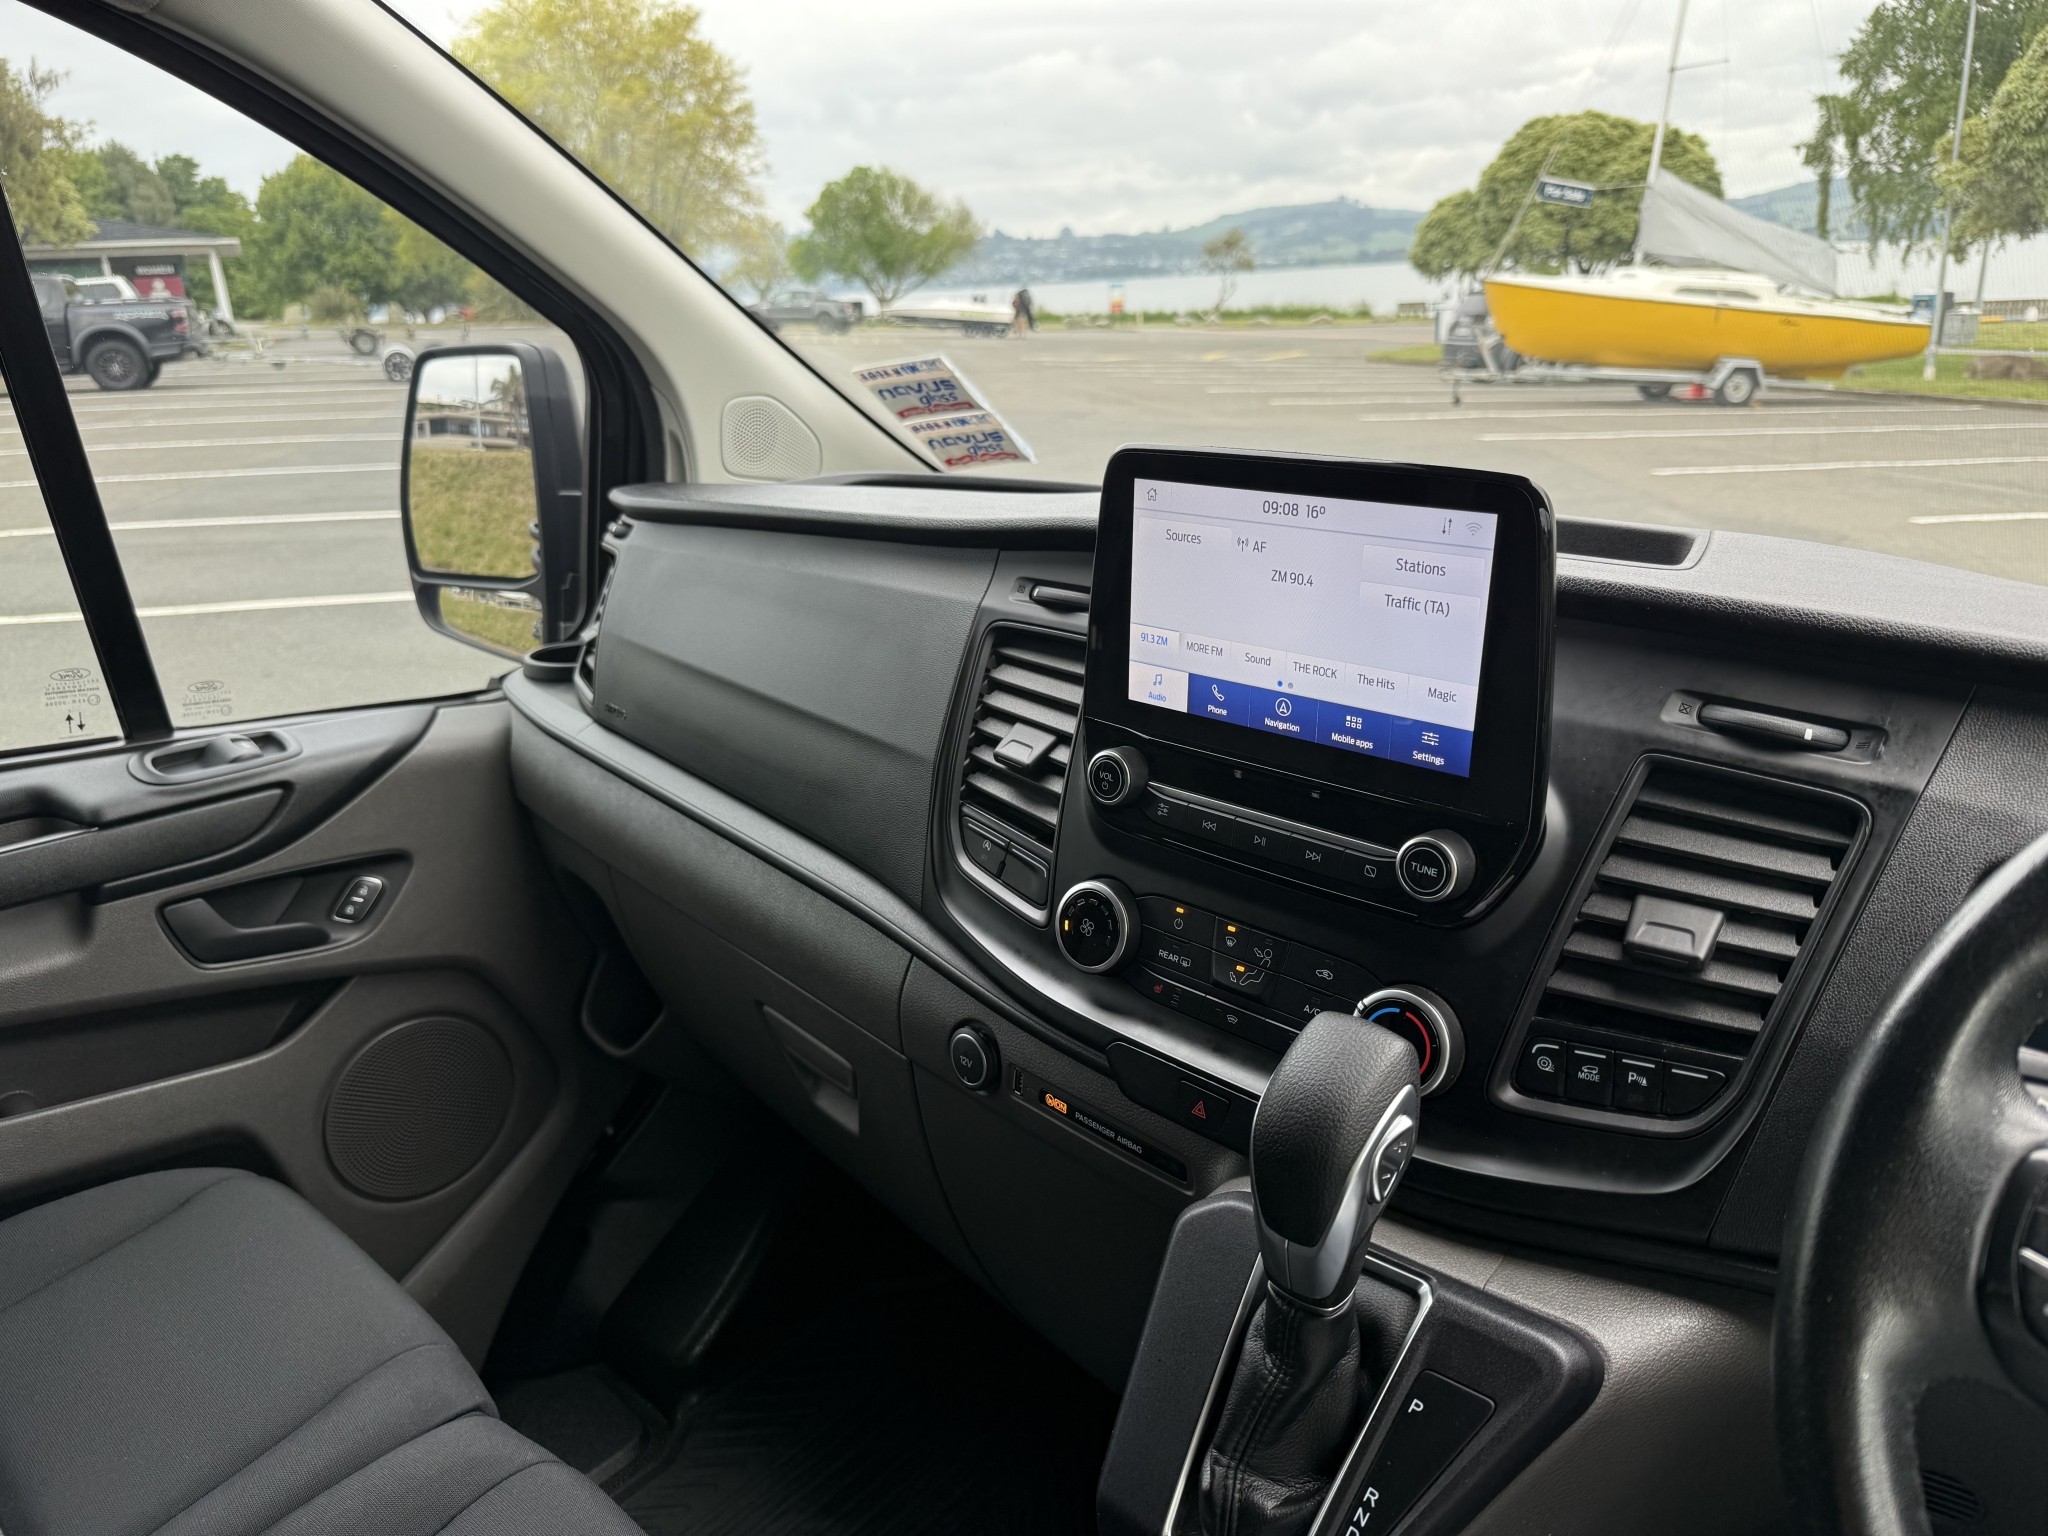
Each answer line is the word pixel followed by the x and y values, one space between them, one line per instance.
pixel 973 317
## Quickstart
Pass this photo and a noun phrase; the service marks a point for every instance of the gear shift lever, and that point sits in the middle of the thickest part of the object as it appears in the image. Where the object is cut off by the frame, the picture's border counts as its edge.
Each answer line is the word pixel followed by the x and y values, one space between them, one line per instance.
pixel 1335 1129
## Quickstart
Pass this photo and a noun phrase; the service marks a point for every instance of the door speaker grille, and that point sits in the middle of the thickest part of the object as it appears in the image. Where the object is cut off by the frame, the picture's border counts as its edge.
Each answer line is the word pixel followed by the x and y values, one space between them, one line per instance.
pixel 418 1108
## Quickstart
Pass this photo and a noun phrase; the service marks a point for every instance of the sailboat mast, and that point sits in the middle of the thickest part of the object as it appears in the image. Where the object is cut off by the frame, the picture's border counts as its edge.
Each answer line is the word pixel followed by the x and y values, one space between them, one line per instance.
pixel 1663 118
pixel 1670 80
pixel 1955 155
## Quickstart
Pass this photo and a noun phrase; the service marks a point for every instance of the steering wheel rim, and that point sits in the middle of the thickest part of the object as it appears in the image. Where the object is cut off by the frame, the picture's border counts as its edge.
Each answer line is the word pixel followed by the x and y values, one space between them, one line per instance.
pixel 1892 1225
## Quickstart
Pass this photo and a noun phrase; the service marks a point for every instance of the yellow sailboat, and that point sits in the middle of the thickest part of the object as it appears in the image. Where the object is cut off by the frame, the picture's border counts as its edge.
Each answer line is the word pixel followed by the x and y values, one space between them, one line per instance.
pixel 1697 293
pixel 1690 318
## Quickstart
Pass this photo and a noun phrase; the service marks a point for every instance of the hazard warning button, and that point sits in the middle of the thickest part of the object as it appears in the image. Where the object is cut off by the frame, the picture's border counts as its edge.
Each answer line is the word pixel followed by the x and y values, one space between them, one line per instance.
pixel 1202 1107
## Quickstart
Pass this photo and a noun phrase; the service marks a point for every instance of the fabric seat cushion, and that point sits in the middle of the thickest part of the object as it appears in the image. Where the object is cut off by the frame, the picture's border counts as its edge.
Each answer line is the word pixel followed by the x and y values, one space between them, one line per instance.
pixel 199 1350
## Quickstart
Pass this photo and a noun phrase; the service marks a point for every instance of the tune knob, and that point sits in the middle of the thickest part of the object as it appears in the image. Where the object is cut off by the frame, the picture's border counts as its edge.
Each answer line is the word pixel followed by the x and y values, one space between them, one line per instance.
pixel 1426 1022
pixel 1115 775
pixel 1434 866
pixel 1096 925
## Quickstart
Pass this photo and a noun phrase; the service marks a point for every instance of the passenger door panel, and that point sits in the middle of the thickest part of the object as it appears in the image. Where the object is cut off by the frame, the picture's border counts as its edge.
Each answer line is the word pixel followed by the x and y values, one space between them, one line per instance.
pixel 416 1075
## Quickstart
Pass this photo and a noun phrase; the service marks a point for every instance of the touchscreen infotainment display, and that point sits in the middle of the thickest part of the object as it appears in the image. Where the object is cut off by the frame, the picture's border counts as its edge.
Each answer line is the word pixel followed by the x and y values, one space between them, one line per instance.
pixel 1358 625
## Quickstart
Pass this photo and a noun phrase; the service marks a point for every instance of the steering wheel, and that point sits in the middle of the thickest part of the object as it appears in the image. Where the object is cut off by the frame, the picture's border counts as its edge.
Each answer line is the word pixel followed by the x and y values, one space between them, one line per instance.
pixel 1907 1279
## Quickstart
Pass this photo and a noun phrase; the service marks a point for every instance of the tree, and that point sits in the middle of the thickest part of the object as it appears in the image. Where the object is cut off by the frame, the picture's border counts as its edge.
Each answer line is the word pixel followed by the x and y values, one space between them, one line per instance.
pixel 34 146
pixel 1462 233
pixel 760 258
pixel 1998 187
pixel 424 271
pixel 130 188
pixel 883 230
pixel 316 229
pixel 1901 74
pixel 1227 255
pixel 634 90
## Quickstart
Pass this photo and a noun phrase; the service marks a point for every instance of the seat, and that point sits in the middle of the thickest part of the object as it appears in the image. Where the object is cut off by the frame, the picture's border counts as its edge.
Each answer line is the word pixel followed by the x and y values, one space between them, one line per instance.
pixel 199 1351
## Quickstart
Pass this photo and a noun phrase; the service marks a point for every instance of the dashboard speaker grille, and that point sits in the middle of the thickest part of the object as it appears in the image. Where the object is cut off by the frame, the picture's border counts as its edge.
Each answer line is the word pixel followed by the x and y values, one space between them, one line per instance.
pixel 418 1107
pixel 1749 863
pixel 760 438
pixel 1029 691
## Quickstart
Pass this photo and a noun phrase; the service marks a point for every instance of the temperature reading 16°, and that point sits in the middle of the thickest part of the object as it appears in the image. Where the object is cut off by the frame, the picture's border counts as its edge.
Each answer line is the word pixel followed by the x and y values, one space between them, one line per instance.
pixel 1294 578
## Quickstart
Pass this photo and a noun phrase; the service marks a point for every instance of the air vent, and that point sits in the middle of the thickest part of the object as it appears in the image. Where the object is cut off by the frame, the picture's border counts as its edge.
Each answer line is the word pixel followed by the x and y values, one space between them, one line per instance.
pixel 1951 1502
pixel 586 664
pixel 1019 747
pixel 1704 900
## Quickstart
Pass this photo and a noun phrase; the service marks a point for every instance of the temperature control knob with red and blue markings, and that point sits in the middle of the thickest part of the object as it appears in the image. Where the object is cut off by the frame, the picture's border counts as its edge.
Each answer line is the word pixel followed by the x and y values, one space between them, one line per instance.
pixel 1426 1022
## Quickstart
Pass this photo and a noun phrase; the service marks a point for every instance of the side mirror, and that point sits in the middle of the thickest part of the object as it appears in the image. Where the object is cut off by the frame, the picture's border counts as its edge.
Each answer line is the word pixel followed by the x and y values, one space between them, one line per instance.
pixel 491 490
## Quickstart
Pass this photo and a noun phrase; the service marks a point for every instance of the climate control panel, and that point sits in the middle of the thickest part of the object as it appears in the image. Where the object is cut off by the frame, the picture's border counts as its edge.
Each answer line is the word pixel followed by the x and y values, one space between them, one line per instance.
pixel 1257 985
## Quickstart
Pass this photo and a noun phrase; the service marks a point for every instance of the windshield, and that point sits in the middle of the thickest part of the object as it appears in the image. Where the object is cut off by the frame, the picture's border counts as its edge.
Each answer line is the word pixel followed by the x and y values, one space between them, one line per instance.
pixel 1678 263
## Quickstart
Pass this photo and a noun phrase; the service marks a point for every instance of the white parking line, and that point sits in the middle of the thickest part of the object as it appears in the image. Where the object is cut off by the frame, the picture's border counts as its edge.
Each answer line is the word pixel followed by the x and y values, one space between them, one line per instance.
pixel 1984 517
pixel 222 442
pixel 1671 432
pixel 258 521
pixel 1637 412
pixel 222 474
pixel 205 399
pixel 125 424
pixel 1790 469
pixel 249 605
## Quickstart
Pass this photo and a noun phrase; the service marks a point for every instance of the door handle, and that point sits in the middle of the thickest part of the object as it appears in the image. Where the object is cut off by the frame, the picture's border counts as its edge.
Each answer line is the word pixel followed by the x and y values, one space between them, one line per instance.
pixel 52 857
pixel 211 939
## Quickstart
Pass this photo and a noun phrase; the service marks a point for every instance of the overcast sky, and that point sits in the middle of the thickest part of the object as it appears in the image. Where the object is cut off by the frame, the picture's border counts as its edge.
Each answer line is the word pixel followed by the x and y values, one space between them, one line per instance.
pixel 1146 113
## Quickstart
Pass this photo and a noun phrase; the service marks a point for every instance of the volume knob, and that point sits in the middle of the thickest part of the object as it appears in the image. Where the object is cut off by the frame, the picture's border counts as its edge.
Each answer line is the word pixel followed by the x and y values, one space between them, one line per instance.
pixel 1115 775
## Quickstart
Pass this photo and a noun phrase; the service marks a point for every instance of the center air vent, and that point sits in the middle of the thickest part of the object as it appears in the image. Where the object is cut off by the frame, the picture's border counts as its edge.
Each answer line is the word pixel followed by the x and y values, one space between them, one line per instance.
pixel 1704 901
pixel 1027 707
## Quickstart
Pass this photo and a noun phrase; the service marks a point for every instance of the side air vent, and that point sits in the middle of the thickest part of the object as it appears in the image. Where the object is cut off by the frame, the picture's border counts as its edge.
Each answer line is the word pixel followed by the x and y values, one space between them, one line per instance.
pixel 1704 901
pixel 586 664
pixel 1020 744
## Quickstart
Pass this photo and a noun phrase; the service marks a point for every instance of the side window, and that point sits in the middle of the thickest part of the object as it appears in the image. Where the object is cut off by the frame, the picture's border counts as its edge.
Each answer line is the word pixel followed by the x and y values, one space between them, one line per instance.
pixel 244 410
pixel 51 689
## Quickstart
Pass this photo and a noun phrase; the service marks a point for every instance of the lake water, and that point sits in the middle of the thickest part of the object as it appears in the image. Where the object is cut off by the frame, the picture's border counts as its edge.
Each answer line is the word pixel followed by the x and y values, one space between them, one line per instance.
pixel 1384 285
pixel 2017 270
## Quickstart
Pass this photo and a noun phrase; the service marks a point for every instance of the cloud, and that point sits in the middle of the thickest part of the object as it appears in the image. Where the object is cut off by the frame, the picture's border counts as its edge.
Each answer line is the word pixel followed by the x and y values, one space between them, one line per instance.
pixel 1044 114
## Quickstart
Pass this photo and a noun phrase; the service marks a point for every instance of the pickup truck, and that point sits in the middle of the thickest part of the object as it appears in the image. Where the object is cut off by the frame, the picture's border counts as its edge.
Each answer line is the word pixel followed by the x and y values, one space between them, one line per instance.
pixel 804 306
pixel 117 345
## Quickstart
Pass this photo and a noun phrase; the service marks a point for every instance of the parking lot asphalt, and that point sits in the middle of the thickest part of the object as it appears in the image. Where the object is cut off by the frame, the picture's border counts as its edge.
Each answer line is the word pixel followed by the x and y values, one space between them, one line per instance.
pixel 1960 482
pixel 255 507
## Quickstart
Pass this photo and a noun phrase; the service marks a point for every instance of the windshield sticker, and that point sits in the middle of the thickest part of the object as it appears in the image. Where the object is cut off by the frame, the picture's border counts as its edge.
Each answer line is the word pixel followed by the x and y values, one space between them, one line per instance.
pixel 934 403
pixel 968 439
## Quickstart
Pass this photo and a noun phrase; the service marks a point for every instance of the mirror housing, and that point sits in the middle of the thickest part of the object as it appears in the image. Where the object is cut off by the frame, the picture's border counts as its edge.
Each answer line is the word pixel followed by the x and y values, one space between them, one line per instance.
pixel 491 495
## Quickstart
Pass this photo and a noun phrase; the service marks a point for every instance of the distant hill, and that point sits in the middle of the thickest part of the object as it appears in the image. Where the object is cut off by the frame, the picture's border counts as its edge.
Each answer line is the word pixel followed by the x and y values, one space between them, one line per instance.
pixel 1797 207
pixel 1335 233
pixel 1299 235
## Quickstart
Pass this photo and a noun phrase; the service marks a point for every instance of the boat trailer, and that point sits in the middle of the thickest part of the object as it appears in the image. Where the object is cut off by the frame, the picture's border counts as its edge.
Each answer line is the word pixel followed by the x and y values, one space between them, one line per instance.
pixel 1730 381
